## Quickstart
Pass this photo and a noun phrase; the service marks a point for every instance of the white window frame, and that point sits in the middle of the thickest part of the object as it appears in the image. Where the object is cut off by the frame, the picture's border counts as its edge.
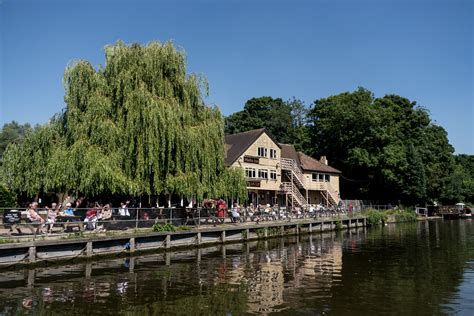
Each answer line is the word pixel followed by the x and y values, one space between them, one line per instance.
pixel 273 153
pixel 320 177
pixel 273 175
pixel 250 173
pixel 263 173
pixel 262 152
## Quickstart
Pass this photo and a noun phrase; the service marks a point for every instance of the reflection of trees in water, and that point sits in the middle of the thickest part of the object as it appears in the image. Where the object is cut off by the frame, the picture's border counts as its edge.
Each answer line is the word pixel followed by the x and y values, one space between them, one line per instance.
pixel 395 268
pixel 411 269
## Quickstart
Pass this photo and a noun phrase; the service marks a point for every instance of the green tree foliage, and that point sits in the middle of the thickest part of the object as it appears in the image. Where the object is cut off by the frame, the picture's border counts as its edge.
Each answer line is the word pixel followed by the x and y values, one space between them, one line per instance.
pixel 284 120
pixel 387 148
pixel 7 198
pixel 12 132
pixel 136 126
pixel 460 183
pixel 25 165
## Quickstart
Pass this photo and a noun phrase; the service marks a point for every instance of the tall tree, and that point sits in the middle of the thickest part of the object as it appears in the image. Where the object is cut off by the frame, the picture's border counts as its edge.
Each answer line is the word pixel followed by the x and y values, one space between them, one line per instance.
pixel 138 125
pixel 460 183
pixel 285 120
pixel 387 147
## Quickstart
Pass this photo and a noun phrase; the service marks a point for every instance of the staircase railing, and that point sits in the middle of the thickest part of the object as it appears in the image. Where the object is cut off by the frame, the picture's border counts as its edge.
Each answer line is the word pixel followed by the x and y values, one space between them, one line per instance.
pixel 333 194
pixel 293 190
pixel 290 164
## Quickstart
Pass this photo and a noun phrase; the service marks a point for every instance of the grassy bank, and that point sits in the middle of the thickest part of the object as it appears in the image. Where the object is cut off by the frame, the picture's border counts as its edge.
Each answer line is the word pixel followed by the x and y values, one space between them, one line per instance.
pixel 375 217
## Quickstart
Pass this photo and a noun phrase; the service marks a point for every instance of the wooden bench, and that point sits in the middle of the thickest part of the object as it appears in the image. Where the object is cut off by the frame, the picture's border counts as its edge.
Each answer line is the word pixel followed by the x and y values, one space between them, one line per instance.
pixel 67 222
pixel 16 220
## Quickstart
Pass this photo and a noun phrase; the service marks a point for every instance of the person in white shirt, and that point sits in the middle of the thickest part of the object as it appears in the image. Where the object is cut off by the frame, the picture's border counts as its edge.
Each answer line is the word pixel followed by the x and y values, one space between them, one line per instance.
pixel 123 210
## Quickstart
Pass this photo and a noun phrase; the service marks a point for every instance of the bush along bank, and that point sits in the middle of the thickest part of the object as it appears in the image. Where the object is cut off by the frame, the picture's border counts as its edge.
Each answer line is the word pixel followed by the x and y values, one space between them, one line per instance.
pixel 375 217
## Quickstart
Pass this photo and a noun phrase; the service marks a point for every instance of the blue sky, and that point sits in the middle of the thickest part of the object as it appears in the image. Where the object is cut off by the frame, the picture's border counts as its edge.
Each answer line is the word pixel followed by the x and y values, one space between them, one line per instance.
pixel 420 49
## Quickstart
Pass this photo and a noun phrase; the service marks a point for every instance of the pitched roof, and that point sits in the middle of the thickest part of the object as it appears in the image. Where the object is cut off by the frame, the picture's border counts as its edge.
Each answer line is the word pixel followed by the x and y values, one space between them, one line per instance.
pixel 289 151
pixel 311 164
pixel 237 144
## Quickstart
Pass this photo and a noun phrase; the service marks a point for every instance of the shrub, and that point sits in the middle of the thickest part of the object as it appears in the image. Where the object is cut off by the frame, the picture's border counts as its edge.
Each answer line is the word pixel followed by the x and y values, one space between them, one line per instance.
pixel 164 228
pixel 405 216
pixel 375 217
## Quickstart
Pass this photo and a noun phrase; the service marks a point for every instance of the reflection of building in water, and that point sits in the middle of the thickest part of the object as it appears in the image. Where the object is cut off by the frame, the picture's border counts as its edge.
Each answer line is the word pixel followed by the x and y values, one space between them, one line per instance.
pixel 262 272
pixel 316 266
pixel 266 288
pixel 323 261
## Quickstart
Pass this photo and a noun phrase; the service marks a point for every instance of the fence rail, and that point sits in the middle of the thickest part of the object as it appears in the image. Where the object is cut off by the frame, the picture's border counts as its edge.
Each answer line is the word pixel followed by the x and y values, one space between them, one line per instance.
pixel 148 217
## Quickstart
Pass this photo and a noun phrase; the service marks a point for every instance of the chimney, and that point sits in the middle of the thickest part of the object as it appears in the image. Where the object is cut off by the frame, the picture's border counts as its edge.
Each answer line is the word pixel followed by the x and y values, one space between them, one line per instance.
pixel 323 160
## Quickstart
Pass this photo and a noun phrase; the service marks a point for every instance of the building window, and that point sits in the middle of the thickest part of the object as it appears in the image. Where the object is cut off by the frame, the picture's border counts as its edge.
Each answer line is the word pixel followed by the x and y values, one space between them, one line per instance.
pixel 250 172
pixel 320 177
pixel 262 152
pixel 273 153
pixel 273 174
pixel 263 173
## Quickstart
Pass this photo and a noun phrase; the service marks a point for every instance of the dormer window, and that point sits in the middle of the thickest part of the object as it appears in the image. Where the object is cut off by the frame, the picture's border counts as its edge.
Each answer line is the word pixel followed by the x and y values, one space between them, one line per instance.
pixel 262 152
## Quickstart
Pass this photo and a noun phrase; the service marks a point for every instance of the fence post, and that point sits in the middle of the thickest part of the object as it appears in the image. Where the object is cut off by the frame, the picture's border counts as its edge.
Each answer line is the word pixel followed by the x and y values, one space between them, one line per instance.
pixel 136 218
pixel 32 254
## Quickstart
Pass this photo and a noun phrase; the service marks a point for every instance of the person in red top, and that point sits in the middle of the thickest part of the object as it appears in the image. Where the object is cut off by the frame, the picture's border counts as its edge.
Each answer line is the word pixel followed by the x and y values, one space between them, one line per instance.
pixel 91 216
pixel 221 209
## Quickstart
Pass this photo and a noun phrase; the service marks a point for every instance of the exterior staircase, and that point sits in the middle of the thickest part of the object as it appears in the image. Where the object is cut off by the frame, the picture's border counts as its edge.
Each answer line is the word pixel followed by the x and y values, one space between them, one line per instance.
pixel 329 194
pixel 297 199
pixel 296 174
pixel 297 182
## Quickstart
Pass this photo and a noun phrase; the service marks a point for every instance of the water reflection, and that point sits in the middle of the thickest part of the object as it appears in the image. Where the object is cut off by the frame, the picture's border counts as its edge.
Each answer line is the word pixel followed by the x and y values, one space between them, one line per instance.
pixel 422 268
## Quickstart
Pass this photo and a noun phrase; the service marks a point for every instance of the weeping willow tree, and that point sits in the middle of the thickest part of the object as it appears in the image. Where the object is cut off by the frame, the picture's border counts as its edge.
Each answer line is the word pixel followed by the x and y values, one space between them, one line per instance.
pixel 25 165
pixel 136 126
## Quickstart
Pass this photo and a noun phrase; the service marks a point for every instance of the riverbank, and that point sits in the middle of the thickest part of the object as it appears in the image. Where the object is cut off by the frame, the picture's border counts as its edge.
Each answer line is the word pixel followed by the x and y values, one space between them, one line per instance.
pixel 84 246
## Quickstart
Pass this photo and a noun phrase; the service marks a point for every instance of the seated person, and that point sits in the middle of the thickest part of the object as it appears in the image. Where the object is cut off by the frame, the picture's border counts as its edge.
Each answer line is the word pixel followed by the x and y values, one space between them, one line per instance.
pixel 52 213
pixel 32 215
pixel 91 216
pixel 123 210
pixel 106 212
pixel 69 211
pixel 235 213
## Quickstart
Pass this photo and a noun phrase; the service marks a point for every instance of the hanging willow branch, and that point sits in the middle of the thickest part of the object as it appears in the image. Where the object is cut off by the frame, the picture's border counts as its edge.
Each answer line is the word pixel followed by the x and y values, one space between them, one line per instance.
pixel 136 126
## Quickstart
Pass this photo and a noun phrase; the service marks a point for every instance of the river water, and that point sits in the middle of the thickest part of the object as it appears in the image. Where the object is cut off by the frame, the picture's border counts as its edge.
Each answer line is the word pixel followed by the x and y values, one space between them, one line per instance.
pixel 424 268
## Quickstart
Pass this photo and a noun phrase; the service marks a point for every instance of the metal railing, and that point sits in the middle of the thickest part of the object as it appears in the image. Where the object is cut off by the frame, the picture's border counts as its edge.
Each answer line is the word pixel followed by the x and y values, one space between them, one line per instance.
pixel 148 217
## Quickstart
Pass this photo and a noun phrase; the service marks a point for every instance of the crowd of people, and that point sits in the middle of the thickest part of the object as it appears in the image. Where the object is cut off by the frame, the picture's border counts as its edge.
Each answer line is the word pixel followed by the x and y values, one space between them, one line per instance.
pixel 267 212
pixel 95 213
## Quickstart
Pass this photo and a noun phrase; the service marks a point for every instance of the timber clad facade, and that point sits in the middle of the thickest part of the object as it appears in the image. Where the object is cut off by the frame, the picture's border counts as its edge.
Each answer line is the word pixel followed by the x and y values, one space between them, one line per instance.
pixel 278 174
